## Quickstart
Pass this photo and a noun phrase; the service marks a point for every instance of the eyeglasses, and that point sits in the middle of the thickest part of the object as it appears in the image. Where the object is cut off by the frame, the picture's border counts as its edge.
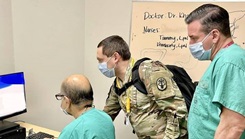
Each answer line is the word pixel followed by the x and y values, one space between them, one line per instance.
pixel 59 96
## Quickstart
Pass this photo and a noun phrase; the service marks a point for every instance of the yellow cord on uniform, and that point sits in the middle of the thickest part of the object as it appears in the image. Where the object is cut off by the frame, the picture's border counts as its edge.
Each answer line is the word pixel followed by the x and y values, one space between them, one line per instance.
pixel 128 105
pixel 118 85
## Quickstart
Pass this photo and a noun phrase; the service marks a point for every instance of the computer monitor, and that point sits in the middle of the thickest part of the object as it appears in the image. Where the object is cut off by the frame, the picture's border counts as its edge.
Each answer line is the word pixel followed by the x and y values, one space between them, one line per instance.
pixel 12 97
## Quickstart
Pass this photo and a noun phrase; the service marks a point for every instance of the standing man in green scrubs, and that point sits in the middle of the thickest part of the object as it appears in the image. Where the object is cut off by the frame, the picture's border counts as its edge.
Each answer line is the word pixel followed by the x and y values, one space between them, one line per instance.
pixel 218 109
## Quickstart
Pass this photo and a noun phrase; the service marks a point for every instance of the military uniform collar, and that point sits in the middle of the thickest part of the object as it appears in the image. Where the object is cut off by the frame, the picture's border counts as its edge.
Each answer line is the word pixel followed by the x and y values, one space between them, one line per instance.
pixel 128 73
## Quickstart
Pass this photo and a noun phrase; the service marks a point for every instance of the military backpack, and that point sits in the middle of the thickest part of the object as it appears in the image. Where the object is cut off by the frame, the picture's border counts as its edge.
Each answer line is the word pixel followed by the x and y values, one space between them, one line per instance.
pixel 180 76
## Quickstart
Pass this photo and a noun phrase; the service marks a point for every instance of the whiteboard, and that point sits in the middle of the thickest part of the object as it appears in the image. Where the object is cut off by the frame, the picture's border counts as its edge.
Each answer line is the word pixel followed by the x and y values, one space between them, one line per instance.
pixel 158 31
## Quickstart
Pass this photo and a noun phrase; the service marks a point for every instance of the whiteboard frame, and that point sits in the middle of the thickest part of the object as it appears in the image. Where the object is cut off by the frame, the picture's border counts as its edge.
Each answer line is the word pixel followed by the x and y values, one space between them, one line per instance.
pixel 188 0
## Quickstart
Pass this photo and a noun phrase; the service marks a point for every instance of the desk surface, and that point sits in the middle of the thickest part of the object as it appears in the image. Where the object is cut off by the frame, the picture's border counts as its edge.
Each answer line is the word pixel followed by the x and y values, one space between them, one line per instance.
pixel 38 129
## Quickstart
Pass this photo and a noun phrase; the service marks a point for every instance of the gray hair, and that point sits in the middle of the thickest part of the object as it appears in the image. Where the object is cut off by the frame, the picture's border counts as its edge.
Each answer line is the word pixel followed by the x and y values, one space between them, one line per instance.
pixel 211 17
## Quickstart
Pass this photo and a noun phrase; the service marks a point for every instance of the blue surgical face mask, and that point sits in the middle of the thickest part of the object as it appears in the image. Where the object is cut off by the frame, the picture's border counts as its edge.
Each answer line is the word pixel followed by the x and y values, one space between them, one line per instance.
pixel 64 110
pixel 104 69
pixel 198 51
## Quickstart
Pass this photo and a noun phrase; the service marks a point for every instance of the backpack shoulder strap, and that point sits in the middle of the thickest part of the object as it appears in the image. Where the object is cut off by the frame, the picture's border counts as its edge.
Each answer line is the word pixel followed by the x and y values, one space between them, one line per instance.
pixel 119 91
pixel 135 80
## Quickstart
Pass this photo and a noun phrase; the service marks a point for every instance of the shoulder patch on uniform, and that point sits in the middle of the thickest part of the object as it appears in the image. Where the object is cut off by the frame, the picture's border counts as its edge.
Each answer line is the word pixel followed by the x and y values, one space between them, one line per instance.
pixel 161 84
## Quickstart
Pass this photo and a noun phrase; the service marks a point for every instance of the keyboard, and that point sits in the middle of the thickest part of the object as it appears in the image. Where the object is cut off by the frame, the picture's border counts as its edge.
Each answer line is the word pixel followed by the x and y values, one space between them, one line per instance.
pixel 39 135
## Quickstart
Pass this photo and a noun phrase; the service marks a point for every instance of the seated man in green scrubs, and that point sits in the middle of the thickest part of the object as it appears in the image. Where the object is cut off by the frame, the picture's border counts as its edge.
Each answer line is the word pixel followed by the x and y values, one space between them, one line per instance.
pixel 77 100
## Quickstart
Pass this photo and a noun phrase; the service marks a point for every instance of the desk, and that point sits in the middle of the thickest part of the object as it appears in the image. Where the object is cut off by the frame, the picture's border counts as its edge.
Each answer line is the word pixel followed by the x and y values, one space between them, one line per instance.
pixel 38 129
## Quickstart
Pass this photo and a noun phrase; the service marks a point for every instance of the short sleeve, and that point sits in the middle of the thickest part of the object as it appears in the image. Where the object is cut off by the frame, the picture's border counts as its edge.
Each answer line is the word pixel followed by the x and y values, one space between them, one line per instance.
pixel 229 85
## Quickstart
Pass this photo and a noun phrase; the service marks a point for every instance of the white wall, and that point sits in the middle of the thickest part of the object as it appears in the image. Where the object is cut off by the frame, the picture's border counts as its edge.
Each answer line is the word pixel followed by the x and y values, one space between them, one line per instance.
pixel 48 46
pixel 6 38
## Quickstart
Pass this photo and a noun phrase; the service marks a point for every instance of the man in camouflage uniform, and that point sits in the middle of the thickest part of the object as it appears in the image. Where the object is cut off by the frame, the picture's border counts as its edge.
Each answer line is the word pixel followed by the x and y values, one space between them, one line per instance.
pixel 159 114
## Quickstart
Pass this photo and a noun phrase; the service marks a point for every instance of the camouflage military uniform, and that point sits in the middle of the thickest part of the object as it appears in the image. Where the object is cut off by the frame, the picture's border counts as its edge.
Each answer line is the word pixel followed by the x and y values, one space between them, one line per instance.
pixel 161 114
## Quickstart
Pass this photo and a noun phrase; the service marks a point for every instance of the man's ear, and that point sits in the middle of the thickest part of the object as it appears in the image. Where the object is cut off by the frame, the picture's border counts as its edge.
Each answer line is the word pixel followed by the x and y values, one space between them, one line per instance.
pixel 117 56
pixel 216 35
pixel 67 100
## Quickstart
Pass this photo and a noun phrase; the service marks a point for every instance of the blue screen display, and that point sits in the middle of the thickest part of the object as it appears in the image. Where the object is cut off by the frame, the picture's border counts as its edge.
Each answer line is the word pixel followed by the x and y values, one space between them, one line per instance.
pixel 12 95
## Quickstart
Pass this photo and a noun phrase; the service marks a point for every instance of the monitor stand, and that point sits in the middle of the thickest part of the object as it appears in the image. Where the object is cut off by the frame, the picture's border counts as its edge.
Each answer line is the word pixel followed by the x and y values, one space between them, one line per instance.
pixel 6 125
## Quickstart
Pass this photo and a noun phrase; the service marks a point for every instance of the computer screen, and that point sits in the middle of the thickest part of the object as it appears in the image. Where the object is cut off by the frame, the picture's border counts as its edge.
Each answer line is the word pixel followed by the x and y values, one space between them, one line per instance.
pixel 12 95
